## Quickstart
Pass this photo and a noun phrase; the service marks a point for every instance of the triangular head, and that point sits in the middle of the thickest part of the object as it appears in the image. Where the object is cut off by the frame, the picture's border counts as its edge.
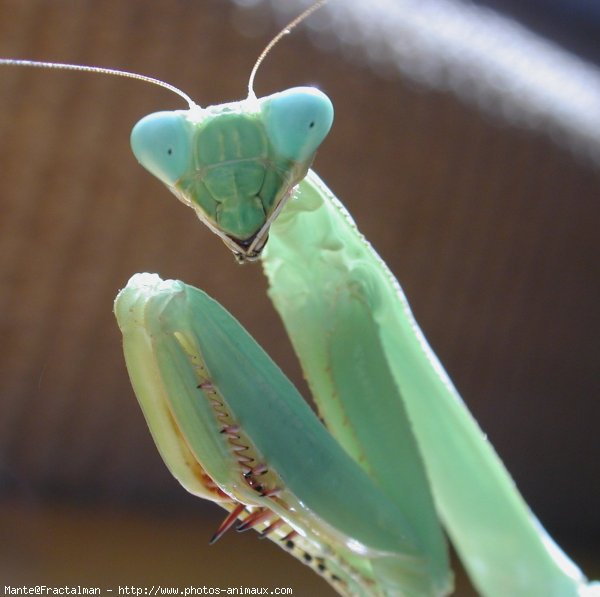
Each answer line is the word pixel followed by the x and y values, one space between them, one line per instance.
pixel 235 164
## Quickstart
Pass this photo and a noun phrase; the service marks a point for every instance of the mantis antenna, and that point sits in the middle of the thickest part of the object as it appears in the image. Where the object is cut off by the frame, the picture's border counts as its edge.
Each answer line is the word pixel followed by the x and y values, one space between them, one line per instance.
pixel 287 29
pixel 129 75
pixel 99 70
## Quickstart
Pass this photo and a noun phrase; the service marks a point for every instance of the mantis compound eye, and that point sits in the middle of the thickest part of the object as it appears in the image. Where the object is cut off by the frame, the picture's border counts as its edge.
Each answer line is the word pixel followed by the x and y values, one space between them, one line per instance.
pixel 297 120
pixel 161 143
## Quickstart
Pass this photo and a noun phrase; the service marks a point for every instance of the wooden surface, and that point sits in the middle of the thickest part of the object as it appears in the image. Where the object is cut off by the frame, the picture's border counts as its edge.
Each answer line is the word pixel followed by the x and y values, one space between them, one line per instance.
pixel 492 231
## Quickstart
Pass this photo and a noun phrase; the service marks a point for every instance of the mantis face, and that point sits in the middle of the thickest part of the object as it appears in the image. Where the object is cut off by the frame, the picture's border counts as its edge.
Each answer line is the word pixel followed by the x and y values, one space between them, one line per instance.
pixel 235 164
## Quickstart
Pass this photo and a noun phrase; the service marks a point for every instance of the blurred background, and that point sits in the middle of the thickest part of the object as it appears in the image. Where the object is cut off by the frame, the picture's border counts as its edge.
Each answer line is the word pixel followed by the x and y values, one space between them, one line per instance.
pixel 467 147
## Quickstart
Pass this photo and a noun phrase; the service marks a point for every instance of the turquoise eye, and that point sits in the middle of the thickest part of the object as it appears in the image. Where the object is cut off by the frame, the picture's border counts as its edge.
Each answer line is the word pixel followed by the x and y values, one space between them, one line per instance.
pixel 297 120
pixel 161 143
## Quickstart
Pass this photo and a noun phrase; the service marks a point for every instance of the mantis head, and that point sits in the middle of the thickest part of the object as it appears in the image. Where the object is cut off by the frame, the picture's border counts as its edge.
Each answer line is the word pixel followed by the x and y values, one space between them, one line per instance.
pixel 295 123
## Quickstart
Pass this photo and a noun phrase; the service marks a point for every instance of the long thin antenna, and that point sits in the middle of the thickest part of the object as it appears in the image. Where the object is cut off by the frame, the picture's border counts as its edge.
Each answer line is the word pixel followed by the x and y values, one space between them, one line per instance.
pixel 287 29
pixel 99 70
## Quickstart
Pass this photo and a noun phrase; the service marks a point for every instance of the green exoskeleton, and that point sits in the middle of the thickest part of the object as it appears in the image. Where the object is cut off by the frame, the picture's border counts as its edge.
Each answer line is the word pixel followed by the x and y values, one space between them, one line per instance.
pixel 364 501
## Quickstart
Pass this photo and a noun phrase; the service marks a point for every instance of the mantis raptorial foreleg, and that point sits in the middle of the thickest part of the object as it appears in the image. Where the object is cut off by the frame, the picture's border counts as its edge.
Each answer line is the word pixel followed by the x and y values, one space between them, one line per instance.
pixel 232 428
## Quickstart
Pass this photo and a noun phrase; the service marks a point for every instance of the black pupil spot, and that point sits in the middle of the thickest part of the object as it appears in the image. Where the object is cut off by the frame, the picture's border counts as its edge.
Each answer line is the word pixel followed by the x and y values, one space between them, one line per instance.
pixel 311 125
pixel 169 151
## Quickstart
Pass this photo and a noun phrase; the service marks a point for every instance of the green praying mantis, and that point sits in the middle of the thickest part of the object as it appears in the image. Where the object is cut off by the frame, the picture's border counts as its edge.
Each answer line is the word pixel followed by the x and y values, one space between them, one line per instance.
pixel 366 501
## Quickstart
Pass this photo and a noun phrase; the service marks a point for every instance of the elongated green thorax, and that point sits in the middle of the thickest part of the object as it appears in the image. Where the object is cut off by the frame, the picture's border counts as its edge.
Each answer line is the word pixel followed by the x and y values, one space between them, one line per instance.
pixel 235 164
pixel 386 398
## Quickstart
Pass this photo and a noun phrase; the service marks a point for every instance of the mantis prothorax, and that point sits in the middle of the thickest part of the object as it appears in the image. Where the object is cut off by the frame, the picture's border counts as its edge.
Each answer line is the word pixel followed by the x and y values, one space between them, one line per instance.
pixel 363 504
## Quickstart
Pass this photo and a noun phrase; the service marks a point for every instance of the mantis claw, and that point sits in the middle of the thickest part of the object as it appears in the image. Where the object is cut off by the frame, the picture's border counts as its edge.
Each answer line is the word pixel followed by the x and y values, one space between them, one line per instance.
pixel 254 519
pixel 227 523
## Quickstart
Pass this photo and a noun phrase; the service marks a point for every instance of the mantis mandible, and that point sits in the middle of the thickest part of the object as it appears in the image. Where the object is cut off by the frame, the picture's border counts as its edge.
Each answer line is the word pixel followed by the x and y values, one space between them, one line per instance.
pixel 365 505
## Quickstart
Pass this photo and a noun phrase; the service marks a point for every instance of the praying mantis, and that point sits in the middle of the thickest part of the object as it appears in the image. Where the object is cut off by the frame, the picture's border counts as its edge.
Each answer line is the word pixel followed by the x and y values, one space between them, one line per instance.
pixel 330 288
